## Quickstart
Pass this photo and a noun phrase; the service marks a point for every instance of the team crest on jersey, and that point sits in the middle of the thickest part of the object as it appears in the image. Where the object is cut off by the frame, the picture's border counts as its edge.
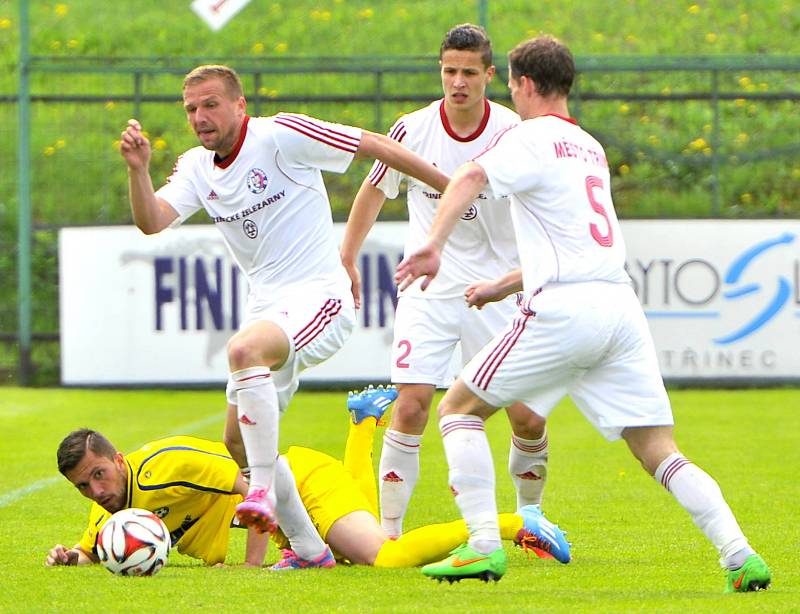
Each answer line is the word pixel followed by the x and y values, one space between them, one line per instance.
pixel 256 180
pixel 161 512
pixel 470 214
pixel 250 229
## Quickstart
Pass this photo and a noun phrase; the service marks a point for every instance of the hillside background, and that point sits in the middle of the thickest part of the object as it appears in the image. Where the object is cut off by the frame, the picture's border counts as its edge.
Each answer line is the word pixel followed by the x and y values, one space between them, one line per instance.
pixel 696 102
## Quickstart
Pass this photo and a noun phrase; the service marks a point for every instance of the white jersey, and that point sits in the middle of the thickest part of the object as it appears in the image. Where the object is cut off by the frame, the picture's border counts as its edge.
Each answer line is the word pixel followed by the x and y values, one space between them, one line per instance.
pixel 482 245
pixel 268 198
pixel 556 175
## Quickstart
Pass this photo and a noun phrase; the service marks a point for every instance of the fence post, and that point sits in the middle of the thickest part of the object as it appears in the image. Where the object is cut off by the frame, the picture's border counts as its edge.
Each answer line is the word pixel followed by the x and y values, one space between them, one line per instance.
pixel 483 11
pixel 715 144
pixel 137 95
pixel 379 127
pixel 257 95
pixel 24 215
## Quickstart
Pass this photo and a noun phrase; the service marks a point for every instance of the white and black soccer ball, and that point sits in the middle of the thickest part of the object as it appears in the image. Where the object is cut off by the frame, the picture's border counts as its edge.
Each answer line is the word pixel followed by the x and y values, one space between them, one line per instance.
pixel 133 542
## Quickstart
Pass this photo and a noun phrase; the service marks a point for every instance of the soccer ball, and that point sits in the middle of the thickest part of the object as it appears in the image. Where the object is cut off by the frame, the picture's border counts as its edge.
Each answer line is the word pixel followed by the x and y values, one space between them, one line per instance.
pixel 133 542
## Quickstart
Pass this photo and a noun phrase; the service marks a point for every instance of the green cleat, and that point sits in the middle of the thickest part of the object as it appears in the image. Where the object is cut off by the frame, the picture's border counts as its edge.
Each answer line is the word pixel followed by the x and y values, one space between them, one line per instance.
pixel 752 576
pixel 464 562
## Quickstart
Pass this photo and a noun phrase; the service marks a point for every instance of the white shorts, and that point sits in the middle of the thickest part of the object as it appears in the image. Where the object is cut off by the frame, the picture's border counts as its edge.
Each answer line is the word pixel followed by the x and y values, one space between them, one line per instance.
pixel 317 318
pixel 426 332
pixel 589 340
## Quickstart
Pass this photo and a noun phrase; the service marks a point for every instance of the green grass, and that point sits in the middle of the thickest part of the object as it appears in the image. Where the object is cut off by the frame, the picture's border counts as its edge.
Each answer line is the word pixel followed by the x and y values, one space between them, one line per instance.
pixel 634 549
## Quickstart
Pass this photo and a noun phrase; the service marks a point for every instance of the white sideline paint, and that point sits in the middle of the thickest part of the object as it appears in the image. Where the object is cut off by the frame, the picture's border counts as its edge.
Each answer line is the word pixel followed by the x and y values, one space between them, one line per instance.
pixel 17 494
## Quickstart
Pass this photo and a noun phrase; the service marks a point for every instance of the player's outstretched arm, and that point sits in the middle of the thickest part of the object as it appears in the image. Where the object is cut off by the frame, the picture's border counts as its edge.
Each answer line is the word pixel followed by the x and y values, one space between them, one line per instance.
pixel 399 157
pixel 150 214
pixel 364 212
pixel 61 555
pixel 257 543
pixel 485 291
pixel 463 189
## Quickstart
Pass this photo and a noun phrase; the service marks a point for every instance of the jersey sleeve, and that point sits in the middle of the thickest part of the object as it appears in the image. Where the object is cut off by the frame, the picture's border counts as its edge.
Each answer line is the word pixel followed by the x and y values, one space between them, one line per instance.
pixel 383 177
pixel 309 142
pixel 97 518
pixel 179 190
pixel 510 162
pixel 204 468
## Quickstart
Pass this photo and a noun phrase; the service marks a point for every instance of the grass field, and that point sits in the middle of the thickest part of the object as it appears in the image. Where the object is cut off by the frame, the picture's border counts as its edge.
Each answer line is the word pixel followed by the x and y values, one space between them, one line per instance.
pixel 634 549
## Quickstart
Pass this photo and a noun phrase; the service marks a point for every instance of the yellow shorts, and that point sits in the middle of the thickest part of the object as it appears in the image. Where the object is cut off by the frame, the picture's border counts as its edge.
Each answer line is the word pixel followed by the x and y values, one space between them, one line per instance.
pixel 327 490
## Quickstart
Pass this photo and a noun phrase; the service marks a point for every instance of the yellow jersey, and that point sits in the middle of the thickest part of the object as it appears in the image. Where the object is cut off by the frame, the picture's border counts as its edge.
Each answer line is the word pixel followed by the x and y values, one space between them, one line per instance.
pixel 188 483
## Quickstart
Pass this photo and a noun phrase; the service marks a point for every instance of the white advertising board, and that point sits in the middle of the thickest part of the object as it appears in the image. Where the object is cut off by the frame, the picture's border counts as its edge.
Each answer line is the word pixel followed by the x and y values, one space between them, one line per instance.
pixel 722 299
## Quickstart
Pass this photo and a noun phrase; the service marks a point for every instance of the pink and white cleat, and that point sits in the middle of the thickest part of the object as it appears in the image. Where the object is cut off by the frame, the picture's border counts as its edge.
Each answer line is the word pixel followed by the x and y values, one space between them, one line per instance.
pixel 290 560
pixel 257 511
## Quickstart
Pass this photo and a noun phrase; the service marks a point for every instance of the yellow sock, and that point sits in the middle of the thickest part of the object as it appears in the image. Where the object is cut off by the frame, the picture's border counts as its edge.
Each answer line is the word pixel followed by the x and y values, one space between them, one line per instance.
pixel 358 459
pixel 434 542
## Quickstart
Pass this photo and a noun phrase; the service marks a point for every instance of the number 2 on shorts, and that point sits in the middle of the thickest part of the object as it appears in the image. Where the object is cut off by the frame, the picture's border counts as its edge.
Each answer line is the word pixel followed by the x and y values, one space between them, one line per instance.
pixel 405 347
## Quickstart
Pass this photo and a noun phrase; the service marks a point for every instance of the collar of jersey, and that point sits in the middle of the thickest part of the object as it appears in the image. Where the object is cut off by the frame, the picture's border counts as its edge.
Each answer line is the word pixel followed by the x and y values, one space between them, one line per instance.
pixel 471 137
pixel 228 160
pixel 571 120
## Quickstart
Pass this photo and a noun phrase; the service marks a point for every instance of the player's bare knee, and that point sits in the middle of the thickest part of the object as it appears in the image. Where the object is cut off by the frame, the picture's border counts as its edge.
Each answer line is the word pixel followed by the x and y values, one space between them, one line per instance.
pixel 650 445
pixel 410 414
pixel 525 423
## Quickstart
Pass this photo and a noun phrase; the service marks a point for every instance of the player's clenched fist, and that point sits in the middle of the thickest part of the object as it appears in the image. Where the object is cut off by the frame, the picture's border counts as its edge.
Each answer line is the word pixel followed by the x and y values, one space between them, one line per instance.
pixel 60 555
pixel 134 146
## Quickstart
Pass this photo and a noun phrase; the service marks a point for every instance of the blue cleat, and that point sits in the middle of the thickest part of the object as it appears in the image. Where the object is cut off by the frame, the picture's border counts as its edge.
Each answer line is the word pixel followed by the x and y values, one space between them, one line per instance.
pixel 540 536
pixel 370 402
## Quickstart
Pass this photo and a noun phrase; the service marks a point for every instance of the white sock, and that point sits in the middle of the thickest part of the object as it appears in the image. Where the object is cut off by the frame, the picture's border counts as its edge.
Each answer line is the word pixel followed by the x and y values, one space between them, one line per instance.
pixel 257 408
pixel 293 518
pixel 700 495
pixel 527 464
pixel 398 471
pixel 472 478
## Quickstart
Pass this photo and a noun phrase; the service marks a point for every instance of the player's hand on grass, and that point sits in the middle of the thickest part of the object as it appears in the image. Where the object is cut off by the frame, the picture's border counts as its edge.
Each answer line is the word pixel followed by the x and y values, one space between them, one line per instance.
pixel 61 555
pixel 134 146
pixel 424 262
pixel 355 282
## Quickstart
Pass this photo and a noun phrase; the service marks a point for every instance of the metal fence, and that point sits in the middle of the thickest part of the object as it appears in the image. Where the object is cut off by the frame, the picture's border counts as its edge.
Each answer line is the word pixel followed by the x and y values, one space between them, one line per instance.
pixel 686 136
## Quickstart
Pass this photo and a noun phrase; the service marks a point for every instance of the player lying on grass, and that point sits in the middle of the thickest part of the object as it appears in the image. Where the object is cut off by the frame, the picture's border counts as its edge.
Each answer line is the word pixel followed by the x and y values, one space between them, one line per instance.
pixel 198 506
pixel 192 484
pixel 341 499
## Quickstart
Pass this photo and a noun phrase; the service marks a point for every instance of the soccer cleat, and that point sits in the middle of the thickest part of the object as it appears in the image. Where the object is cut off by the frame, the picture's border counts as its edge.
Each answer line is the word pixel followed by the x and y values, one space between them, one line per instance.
pixel 370 402
pixel 752 576
pixel 464 562
pixel 256 511
pixel 540 536
pixel 290 560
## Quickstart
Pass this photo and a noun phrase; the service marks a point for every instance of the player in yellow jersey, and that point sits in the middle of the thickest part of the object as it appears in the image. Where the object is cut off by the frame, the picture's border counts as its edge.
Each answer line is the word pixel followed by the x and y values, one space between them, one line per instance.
pixel 341 499
pixel 192 484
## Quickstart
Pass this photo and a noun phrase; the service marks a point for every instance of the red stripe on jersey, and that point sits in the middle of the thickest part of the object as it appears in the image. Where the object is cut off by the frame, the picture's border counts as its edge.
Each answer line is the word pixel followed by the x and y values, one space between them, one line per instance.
pixel 318 132
pixel 489 366
pixel 378 172
pixel 317 324
pixel 228 160
pixel 493 141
